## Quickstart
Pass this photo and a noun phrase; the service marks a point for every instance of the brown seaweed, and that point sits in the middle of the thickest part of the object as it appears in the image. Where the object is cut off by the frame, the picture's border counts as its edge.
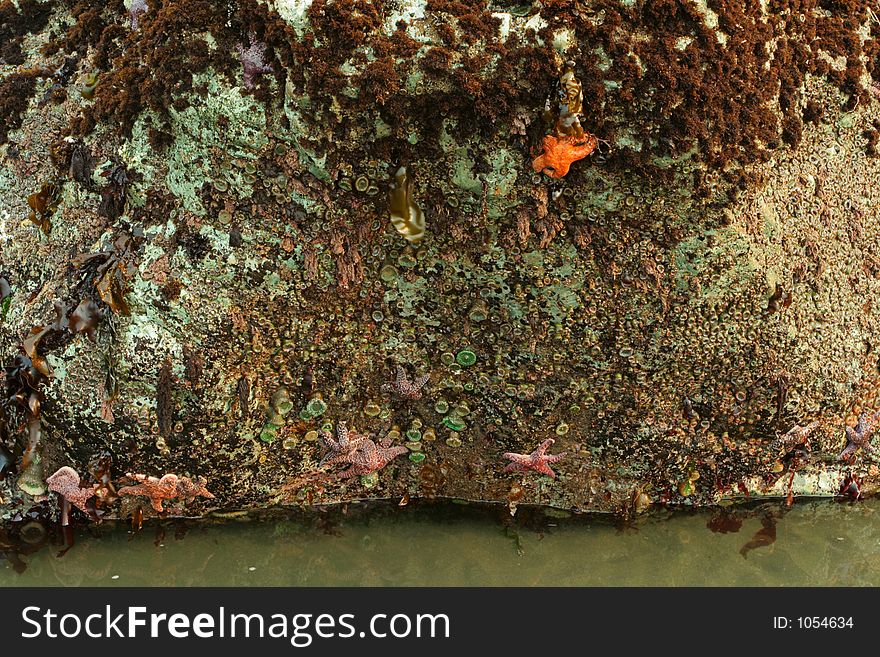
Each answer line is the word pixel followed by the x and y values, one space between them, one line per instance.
pixel 406 215
pixel 43 205
pixel 114 194
pixel 111 274
pixel 86 318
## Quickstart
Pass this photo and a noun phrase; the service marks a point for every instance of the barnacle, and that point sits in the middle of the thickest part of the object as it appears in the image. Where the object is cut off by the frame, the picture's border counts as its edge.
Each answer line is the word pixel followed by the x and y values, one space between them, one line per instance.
pixel 406 216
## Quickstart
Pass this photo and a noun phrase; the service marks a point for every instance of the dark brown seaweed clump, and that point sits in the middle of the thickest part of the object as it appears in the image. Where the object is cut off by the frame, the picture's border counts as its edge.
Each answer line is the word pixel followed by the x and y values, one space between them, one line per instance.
pixel 15 22
pixel 16 90
pixel 151 67
pixel 671 85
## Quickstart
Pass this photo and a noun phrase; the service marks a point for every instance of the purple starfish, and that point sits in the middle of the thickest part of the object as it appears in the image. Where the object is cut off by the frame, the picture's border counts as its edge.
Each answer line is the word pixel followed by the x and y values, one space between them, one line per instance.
pixel 138 8
pixel 404 388
pixel 858 437
pixel 537 460
pixel 795 436
pixel 369 457
pixel 361 452
pixel 253 60
pixel 341 449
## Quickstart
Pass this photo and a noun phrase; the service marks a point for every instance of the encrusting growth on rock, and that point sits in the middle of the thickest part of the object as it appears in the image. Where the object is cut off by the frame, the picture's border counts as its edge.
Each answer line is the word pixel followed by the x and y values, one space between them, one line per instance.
pixel 170 486
pixel 537 461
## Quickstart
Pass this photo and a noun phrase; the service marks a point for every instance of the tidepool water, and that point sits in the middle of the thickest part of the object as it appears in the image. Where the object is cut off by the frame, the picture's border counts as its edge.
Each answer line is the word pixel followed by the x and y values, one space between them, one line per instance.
pixel 817 543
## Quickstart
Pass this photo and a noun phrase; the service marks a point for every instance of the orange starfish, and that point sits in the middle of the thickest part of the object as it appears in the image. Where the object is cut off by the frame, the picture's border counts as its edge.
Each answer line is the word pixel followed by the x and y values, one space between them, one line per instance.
pixel 560 152
pixel 168 487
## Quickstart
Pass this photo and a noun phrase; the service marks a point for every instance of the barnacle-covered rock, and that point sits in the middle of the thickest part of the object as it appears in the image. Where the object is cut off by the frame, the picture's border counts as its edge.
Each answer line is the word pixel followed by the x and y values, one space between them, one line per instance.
pixel 211 187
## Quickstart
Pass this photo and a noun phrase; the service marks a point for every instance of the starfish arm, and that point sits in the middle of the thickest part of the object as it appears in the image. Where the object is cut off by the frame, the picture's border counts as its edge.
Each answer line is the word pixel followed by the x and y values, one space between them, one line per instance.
pixel 538 164
pixel 79 499
pixel 554 457
pixel 367 453
pixel 139 490
pixel 353 471
pixel 329 441
pixel 543 447
pixel 522 459
pixel 543 468
pixel 558 169
pixel 390 453
pixel 342 433
pixel 848 451
pixel 335 457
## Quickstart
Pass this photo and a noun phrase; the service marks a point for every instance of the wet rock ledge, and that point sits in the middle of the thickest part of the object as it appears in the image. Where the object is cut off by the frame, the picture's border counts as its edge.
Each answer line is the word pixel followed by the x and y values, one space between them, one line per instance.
pixel 306 252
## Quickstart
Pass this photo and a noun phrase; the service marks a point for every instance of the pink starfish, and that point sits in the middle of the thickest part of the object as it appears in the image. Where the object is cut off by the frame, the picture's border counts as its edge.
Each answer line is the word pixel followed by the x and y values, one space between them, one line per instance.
pixel 859 437
pixel 368 457
pixel 138 8
pixel 404 388
pixel 65 482
pixel 253 60
pixel 537 460
pixel 795 436
pixel 343 447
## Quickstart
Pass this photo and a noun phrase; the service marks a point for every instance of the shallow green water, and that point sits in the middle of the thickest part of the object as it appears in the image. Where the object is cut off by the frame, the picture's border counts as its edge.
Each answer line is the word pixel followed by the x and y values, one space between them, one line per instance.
pixel 817 543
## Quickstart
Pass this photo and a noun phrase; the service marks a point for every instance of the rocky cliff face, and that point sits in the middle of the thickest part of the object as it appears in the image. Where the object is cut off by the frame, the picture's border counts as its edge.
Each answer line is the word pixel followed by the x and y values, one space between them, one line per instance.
pixel 229 228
